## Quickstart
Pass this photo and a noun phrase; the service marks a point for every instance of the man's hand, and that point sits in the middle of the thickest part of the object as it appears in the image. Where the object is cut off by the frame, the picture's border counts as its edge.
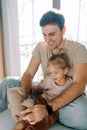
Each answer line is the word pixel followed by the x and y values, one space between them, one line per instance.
pixel 35 114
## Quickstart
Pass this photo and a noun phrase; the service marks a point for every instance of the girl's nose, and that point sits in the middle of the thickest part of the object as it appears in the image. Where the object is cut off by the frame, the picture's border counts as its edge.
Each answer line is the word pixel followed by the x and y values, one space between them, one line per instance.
pixel 53 75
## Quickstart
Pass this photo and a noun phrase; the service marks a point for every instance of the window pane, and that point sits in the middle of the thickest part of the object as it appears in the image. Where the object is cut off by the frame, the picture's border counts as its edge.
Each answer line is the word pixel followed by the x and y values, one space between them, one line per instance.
pixel 29 13
pixel 76 21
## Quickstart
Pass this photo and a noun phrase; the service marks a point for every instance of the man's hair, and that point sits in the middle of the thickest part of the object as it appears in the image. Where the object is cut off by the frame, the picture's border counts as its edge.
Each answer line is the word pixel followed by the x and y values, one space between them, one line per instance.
pixel 52 17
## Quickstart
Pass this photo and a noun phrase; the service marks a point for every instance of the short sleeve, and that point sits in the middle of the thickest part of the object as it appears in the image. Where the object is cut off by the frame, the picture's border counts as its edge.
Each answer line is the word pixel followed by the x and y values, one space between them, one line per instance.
pixel 80 54
pixel 36 52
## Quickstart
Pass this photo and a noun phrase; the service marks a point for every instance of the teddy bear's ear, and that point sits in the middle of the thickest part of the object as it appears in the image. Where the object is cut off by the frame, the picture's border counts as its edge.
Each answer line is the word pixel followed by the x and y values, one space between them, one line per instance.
pixel 27 103
pixel 16 89
pixel 21 91
pixel 10 90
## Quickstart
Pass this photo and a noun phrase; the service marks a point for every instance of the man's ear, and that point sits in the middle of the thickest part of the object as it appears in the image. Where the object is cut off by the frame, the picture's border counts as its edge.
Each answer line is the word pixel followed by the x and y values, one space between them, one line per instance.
pixel 64 30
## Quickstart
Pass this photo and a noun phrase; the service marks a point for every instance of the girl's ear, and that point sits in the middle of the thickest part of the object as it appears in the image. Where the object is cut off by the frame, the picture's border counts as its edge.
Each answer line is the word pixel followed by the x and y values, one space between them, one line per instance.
pixel 64 30
pixel 66 69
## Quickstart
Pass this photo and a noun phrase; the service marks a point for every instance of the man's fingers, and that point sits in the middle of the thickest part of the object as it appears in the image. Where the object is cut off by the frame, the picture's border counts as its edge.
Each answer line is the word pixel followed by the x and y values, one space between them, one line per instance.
pixel 30 119
pixel 33 122
pixel 28 110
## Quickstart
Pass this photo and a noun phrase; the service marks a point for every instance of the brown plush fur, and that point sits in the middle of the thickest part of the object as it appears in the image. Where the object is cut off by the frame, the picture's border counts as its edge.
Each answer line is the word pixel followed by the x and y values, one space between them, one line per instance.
pixel 42 125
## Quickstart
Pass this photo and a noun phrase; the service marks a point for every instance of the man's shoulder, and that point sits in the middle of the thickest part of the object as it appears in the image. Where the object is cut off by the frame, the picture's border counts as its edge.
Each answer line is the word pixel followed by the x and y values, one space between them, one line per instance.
pixel 74 44
pixel 41 44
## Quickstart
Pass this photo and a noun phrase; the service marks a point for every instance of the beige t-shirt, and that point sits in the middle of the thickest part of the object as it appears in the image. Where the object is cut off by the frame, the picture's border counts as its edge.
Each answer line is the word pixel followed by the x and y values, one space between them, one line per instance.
pixel 76 52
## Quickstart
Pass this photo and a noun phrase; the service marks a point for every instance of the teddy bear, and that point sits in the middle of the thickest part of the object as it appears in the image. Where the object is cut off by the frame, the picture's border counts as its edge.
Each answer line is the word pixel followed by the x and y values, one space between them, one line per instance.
pixel 17 103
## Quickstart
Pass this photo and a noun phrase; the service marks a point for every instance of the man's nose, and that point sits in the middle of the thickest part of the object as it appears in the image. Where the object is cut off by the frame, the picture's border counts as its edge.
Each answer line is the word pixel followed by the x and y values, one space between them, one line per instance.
pixel 48 38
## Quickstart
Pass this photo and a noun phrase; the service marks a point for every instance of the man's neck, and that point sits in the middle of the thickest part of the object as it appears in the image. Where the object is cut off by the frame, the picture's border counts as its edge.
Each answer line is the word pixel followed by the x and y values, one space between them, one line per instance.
pixel 62 45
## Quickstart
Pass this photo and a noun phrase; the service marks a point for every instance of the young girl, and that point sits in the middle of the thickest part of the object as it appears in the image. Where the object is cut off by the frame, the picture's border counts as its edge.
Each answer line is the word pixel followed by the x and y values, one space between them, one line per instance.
pixel 52 86
pixel 58 80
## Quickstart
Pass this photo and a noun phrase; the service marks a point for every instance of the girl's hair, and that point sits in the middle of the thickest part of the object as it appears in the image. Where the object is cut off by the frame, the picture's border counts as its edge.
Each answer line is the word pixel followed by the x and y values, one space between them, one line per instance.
pixel 61 59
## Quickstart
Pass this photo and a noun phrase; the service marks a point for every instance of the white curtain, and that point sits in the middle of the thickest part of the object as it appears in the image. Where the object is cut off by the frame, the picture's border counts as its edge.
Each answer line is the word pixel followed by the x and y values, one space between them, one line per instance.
pixel 2 72
pixel 10 37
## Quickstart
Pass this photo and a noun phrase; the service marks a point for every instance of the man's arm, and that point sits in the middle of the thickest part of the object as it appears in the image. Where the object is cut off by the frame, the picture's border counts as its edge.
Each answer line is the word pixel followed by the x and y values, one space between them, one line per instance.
pixel 76 89
pixel 28 75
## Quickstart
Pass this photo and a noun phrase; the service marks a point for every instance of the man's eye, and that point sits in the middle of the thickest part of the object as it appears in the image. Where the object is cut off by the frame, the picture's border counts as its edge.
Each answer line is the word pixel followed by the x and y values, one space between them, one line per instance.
pixel 52 34
pixel 44 35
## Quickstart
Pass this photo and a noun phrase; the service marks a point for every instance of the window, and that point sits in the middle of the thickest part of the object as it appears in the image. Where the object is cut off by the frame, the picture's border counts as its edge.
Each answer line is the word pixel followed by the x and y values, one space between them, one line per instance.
pixel 75 14
pixel 30 11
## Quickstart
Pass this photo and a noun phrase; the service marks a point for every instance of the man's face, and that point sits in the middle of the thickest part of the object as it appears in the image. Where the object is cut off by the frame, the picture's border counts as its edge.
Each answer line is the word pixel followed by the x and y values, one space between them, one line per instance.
pixel 52 35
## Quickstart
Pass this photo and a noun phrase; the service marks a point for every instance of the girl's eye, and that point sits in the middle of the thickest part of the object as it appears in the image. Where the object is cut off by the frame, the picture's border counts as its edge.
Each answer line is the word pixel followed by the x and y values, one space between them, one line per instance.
pixel 56 72
pixel 53 73
pixel 50 73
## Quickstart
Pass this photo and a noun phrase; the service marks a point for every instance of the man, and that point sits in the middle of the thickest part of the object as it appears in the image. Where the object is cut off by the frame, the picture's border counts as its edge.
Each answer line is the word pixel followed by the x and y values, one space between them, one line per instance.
pixel 71 103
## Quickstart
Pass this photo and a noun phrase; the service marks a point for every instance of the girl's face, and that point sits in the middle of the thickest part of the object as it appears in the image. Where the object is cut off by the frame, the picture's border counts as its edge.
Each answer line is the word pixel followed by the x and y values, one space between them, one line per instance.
pixel 57 73
pixel 52 35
